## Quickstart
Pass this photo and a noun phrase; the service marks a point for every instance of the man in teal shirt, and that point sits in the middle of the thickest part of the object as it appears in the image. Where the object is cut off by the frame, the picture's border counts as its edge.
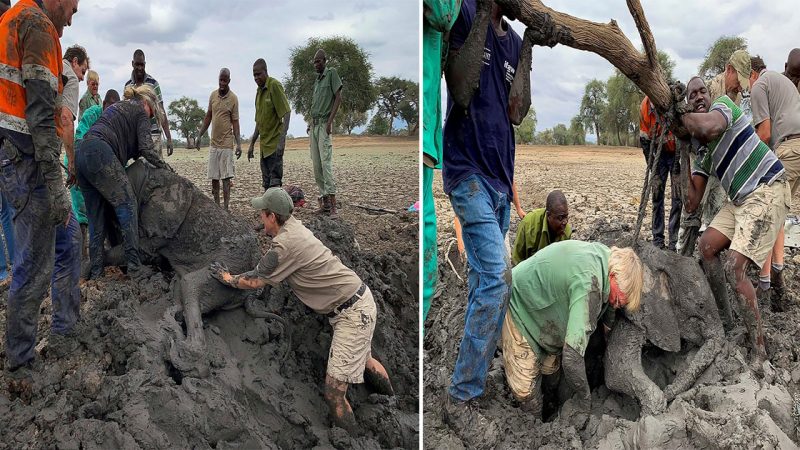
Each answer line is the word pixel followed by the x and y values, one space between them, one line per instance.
pixel 438 18
pixel 541 227
pixel 557 298
pixel 325 102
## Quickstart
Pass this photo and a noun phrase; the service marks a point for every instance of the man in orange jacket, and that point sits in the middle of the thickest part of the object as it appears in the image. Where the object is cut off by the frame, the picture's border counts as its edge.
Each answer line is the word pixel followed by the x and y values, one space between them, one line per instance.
pixel 31 177
pixel 667 165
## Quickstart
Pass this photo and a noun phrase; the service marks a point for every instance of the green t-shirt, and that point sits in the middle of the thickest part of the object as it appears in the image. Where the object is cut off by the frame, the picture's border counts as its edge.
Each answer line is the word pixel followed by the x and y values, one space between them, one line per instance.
pixel 534 235
pixel 558 295
pixel 271 106
pixel 439 16
pixel 325 90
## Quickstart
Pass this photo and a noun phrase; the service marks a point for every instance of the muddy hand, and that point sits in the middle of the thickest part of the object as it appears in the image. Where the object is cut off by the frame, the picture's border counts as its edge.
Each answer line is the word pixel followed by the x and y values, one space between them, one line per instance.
pixel 238 151
pixel 170 149
pixel 218 271
pixel 548 35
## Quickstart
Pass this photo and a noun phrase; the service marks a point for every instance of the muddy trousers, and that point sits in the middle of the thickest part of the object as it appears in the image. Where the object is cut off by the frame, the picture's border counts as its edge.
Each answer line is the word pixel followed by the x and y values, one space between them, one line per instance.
pixel 104 184
pixel 667 166
pixel 272 170
pixel 322 158
pixel 484 216
pixel 7 250
pixel 43 254
pixel 430 263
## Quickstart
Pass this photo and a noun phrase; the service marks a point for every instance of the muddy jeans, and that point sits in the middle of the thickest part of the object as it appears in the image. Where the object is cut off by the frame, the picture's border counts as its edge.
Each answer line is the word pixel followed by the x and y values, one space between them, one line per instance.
pixel 43 254
pixel 667 166
pixel 272 170
pixel 7 250
pixel 104 184
pixel 484 216
pixel 322 158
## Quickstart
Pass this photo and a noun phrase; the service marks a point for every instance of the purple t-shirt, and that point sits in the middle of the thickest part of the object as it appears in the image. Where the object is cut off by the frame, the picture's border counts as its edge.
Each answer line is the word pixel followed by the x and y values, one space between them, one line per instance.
pixel 480 140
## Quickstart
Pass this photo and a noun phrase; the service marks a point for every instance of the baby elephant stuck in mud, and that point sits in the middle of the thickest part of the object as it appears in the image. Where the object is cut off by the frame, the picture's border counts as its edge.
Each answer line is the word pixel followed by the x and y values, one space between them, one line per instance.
pixel 179 225
pixel 677 305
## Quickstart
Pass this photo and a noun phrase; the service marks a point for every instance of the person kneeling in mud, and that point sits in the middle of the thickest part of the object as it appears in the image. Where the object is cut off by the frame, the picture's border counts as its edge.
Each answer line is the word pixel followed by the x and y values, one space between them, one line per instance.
pixel 324 284
pixel 753 177
pixel 557 297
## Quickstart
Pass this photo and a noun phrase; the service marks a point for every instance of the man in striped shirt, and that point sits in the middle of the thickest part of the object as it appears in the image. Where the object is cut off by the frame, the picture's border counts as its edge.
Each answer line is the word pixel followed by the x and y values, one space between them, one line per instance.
pixel 754 180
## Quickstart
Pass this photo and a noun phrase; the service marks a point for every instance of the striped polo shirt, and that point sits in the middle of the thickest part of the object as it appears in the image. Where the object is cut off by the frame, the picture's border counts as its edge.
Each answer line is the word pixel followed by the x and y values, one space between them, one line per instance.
pixel 738 157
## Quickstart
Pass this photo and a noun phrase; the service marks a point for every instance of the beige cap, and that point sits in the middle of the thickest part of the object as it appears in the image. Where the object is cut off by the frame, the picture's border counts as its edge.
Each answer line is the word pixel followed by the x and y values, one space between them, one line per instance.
pixel 740 61
pixel 276 200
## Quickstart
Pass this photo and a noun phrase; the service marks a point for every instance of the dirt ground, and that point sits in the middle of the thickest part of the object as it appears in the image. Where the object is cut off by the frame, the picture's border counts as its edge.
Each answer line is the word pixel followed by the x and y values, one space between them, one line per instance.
pixel 731 406
pixel 119 390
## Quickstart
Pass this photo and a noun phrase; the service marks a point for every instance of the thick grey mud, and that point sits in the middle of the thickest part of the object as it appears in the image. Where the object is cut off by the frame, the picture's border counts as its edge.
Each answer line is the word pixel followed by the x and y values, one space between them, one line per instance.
pixel 721 402
pixel 120 390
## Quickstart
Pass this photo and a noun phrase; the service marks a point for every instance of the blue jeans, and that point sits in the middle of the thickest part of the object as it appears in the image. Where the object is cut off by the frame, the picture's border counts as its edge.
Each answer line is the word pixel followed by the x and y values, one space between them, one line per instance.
pixel 484 215
pixel 667 166
pixel 6 216
pixel 44 254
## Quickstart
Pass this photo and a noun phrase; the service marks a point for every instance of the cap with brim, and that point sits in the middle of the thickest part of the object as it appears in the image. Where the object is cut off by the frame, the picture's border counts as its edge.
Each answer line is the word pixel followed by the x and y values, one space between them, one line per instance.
pixel 276 200
pixel 740 61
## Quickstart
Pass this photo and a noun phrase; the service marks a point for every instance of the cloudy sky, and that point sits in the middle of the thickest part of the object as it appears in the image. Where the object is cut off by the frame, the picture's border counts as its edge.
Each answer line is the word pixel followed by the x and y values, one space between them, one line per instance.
pixel 186 42
pixel 684 30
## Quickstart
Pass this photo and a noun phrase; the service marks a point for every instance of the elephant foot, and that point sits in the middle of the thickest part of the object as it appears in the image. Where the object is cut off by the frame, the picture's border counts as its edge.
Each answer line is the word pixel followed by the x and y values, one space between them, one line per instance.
pixel 190 360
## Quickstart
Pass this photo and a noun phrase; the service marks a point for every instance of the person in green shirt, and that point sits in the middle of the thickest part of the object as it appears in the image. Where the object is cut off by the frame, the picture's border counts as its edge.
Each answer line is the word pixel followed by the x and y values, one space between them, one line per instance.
pixel 91 97
pixel 438 18
pixel 541 227
pixel 325 102
pixel 272 124
pixel 557 298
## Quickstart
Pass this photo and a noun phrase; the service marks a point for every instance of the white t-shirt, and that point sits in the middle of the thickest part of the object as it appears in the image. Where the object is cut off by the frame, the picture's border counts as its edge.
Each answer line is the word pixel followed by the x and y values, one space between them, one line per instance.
pixel 71 96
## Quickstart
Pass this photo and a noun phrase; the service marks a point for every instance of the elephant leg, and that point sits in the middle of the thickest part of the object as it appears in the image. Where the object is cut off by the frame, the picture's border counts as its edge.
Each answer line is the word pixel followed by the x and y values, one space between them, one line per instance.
pixel 623 368
pixel 189 354
pixel 699 363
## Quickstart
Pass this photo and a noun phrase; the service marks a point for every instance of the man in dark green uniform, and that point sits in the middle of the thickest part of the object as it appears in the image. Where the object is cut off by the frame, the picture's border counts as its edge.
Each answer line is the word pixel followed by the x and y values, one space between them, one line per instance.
pixel 325 101
pixel 541 227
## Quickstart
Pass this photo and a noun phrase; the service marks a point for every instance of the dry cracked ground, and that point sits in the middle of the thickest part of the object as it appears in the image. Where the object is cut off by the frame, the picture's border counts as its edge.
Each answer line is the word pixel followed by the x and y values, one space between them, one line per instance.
pixel 118 389
pixel 730 406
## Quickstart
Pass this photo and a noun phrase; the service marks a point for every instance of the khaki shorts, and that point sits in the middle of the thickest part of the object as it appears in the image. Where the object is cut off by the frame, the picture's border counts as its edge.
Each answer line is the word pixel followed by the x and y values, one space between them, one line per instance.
pixel 220 163
pixel 789 154
pixel 351 346
pixel 520 361
pixel 753 226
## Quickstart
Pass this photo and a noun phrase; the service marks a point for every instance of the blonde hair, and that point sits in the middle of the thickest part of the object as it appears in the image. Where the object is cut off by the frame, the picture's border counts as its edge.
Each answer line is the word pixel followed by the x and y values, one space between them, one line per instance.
pixel 92 76
pixel 146 94
pixel 627 269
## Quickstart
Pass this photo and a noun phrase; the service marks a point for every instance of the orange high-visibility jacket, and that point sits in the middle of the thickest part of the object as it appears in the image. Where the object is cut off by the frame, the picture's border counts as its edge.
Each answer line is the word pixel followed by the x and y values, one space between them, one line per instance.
pixel 31 50
pixel 649 127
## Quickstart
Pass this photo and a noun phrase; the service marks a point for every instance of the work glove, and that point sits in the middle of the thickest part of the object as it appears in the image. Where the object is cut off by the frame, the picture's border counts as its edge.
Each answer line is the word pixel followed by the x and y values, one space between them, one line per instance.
pixel 58 196
pixel 217 270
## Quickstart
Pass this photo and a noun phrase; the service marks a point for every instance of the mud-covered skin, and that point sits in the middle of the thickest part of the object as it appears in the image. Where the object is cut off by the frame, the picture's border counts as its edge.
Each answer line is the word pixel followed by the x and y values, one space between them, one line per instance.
pixel 677 305
pixel 180 224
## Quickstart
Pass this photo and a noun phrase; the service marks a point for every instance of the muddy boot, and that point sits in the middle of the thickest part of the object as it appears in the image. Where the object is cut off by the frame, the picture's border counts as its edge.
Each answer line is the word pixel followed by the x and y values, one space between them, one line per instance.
pixel 469 423
pixel 324 205
pixel 20 381
pixel 332 211
pixel 780 302
pixel 764 297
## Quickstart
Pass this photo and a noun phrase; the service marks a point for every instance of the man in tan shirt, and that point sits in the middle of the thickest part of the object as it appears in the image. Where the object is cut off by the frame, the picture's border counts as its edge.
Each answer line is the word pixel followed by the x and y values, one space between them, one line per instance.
pixel 223 116
pixel 324 284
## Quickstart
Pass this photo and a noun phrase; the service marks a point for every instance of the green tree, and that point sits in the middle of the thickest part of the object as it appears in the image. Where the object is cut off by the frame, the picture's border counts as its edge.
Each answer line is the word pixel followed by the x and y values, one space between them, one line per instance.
pixel 666 63
pixel 577 133
pixel 346 121
pixel 544 137
pixel 409 108
pixel 524 133
pixel 560 134
pixel 718 54
pixel 185 117
pixel 593 104
pixel 621 116
pixel 392 93
pixel 378 125
pixel 350 61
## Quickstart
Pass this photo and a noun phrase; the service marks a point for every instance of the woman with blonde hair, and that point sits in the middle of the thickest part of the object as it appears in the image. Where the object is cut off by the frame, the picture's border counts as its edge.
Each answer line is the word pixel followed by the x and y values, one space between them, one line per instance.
pixel 122 133
pixel 557 298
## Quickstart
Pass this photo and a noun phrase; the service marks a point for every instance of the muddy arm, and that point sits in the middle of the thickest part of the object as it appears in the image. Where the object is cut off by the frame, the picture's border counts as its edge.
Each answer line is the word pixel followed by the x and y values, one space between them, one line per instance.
pixel 623 367
pixel 519 99
pixel 463 68
pixel 575 376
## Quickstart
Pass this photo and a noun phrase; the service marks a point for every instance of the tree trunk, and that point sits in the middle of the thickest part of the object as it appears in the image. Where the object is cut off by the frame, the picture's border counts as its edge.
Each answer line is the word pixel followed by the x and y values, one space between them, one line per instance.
pixel 606 40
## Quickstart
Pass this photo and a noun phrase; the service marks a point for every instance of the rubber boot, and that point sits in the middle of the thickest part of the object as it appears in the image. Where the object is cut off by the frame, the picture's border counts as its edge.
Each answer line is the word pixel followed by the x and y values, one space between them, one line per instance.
pixel 779 302
pixel 332 207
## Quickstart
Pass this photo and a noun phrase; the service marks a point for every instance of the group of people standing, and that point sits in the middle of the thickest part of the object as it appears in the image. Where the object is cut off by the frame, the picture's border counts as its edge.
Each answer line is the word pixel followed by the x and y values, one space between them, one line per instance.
pixel 544 309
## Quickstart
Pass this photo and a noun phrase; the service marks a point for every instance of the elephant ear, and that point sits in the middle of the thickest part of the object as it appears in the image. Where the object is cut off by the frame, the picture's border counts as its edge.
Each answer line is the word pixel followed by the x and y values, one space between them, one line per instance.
pixel 656 314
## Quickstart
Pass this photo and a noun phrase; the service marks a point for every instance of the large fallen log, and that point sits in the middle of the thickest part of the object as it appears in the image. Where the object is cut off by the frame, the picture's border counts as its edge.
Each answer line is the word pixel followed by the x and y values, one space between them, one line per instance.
pixel 606 40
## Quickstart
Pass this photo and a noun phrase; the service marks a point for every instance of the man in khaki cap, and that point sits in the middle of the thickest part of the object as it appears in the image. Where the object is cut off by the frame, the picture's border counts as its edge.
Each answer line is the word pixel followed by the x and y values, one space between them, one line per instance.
pixel 324 284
